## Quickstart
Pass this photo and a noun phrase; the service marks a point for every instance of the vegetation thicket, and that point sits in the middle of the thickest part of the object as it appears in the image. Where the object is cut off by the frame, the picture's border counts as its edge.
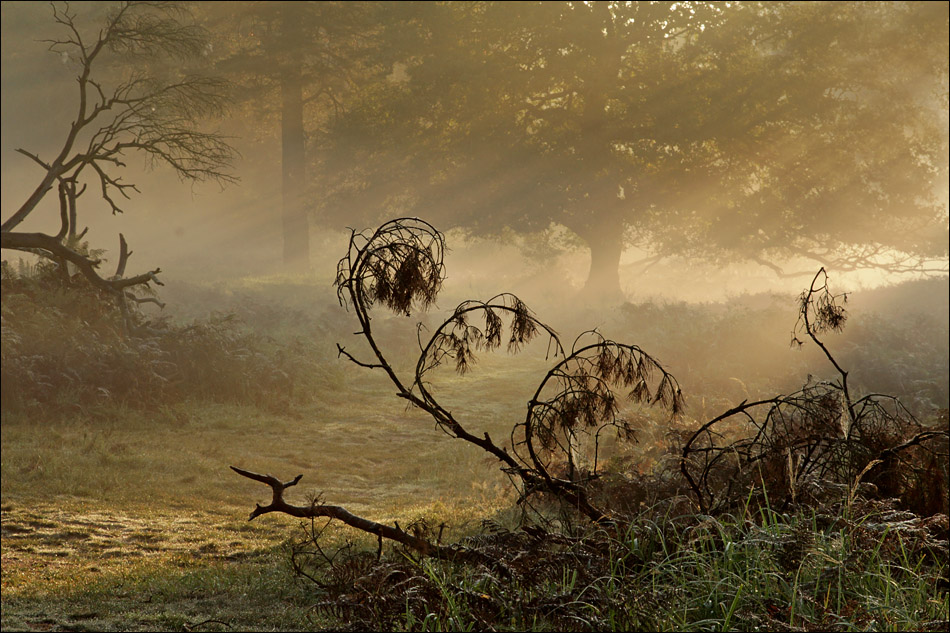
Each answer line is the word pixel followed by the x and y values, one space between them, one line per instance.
pixel 781 548
pixel 91 359
pixel 784 460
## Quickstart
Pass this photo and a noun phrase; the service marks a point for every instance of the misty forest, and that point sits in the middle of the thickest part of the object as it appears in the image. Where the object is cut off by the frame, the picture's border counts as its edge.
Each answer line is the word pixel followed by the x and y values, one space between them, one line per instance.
pixel 499 316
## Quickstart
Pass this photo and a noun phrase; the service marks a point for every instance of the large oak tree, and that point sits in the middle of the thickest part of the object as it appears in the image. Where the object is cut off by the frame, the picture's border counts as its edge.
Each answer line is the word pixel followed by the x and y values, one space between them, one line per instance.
pixel 725 132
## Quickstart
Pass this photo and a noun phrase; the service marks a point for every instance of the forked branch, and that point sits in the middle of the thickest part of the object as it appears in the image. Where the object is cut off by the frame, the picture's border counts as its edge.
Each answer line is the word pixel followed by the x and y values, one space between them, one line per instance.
pixel 315 510
pixel 117 287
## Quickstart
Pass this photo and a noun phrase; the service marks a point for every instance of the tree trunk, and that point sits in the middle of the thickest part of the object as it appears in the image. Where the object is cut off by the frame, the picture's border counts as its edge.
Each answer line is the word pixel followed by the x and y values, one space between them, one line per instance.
pixel 606 247
pixel 296 226
pixel 603 230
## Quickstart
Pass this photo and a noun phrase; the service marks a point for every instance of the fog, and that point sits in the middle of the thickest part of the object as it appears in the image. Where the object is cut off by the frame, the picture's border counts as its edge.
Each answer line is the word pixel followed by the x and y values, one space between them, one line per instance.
pixel 700 205
pixel 203 232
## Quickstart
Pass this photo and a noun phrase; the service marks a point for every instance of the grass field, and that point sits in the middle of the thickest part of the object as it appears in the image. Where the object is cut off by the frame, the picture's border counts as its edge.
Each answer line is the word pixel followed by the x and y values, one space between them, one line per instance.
pixel 119 515
pixel 117 519
pixel 122 517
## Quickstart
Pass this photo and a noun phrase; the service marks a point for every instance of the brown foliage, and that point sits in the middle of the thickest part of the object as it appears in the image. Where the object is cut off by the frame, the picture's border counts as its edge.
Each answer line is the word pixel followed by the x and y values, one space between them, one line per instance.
pixel 818 437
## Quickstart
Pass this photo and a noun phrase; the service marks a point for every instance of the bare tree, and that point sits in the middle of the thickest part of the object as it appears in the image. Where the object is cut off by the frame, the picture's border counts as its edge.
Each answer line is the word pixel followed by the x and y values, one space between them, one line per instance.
pixel 142 108
pixel 578 401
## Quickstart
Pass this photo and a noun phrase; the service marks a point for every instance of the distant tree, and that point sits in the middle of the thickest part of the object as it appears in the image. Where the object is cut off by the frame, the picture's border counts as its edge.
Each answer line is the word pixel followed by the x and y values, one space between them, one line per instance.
pixel 293 64
pixel 749 131
pixel 128 102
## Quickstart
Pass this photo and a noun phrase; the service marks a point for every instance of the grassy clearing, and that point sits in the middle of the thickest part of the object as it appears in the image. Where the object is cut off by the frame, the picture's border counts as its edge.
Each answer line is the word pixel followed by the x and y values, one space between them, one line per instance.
pixel 133 515
pixel 116 518
pixel 97 538
pixel 119 513
pixel 77 564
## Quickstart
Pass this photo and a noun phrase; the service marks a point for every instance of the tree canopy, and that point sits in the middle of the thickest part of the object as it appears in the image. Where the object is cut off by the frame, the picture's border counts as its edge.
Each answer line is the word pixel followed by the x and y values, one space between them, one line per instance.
pixel 744 131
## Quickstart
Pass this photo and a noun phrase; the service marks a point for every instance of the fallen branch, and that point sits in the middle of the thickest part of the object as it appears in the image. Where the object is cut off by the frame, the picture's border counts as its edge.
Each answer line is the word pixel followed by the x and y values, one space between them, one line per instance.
pixel 380 530
pixel 87 266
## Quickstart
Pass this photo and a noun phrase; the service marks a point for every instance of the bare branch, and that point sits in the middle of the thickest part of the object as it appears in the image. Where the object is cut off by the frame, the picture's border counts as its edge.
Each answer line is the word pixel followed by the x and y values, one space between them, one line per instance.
pixel 400 265
pixel 158 116
pixel 154 300
pixel 341 351
pixel 420 545
pixel 34 157
pixel 817 435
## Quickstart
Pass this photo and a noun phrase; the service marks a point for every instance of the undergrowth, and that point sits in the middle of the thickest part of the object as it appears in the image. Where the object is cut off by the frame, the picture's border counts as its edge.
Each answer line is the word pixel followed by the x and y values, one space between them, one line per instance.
pixel 850 565
pixel 770 526
pixel 64 346
pixel 850 558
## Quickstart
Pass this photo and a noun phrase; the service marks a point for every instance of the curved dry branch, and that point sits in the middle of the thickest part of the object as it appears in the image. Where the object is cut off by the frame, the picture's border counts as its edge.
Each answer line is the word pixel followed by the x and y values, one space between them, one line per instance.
pixel 703 452
pixel 458 338
pixel 818 434
pixel 579 399
pixel 398 265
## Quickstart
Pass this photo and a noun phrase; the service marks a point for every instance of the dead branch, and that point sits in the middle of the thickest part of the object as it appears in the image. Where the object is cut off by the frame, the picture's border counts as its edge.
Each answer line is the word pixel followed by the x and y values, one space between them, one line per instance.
pixel 400 266
pixel 819 312
pixel 116 287
pixel 53 248
pixel 124 254
pixel 916 440
pixel 141 113
pixel 393 533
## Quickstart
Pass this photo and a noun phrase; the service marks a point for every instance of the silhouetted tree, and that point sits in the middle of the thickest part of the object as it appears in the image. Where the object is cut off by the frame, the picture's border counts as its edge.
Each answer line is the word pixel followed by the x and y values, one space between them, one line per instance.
pixel 126 108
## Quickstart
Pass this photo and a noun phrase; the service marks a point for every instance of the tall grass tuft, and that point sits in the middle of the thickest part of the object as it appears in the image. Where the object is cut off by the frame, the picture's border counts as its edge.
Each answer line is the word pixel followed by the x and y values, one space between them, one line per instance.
pixel 839 567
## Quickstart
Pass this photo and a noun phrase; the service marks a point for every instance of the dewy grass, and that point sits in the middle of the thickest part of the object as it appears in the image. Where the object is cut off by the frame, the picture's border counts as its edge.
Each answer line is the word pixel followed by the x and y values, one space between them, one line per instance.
pixel 173 594
pixel 731 573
